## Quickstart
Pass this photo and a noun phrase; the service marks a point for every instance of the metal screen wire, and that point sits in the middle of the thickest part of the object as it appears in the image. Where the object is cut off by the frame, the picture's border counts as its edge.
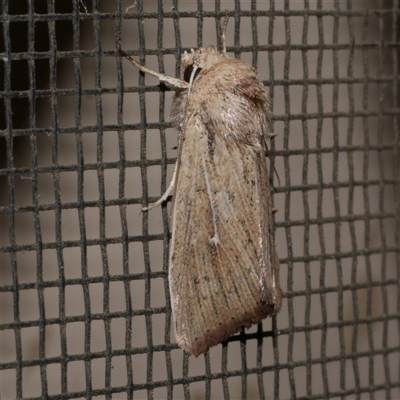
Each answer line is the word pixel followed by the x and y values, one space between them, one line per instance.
pixel 86 141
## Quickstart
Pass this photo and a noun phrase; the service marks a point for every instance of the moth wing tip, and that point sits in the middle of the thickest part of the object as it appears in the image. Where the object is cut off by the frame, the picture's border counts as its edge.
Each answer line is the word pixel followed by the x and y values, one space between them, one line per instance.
pixel 225 330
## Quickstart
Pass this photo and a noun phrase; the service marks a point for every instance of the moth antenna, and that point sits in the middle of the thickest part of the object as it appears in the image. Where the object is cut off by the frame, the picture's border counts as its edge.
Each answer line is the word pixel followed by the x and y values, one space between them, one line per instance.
pixel 192 75
pixel 276 173
pixel 271 135
pixel 223 32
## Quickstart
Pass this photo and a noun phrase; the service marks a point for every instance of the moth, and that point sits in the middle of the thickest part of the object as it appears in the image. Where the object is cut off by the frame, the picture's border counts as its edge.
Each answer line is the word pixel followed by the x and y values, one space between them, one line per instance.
pixel 223 266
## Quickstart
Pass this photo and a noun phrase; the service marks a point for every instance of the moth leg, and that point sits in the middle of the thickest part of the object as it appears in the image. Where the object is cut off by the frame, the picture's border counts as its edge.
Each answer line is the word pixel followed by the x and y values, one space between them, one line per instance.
pixel 174 82
pixel 166 194
pixel 272 135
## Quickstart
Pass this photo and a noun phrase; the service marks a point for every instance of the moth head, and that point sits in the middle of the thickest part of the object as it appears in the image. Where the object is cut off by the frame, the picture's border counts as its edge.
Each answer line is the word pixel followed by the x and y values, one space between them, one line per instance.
pixel 199 60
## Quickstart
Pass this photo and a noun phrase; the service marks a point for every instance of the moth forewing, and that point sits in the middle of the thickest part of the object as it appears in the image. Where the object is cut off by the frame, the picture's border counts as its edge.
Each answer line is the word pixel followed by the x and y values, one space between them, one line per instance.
pixel 217 267
pixel 223 268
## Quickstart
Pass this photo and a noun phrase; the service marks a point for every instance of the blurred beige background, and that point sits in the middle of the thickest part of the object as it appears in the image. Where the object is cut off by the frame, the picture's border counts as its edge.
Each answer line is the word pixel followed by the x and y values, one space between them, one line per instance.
pixel 368 301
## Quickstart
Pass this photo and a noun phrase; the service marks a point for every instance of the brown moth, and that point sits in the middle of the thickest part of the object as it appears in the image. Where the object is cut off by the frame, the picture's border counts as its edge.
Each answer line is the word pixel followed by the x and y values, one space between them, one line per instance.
pixel 223 267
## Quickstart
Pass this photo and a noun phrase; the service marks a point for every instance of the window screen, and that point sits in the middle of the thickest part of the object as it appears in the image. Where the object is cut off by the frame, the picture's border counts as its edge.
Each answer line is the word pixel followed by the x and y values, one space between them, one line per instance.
pixel 86 141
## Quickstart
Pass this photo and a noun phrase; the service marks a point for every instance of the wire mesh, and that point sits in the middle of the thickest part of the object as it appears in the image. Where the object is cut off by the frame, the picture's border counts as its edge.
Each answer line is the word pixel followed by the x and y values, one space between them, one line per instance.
pixel 85 141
